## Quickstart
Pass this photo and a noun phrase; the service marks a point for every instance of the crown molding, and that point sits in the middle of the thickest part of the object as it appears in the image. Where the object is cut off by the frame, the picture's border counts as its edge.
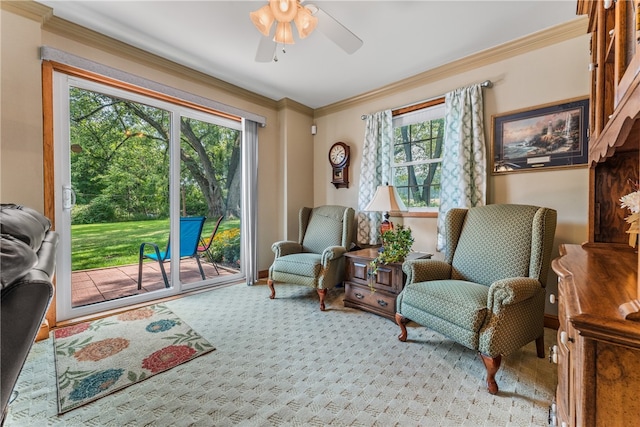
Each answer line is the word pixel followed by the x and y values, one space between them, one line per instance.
pixel 44 14
pixel 94 39
pixel 28 9
pixel 559 33
pixel 287 103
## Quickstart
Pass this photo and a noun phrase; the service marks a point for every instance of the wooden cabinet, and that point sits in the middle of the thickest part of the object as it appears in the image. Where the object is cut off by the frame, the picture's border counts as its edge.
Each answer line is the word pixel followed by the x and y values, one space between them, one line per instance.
pixel 387 283
pixel 614 109
pixel 598 350
pixel 598 346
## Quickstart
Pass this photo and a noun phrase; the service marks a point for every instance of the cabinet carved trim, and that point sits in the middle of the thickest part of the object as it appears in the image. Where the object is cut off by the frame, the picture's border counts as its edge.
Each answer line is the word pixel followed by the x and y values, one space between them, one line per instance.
pixel 598 350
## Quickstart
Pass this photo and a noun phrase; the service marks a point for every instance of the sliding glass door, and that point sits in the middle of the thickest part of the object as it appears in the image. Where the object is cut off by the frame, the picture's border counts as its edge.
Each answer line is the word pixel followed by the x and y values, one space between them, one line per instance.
pixel 133 173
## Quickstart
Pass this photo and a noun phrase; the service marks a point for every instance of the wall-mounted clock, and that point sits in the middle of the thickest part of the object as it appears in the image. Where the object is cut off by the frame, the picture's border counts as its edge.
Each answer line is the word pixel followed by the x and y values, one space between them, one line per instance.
pixel 339 160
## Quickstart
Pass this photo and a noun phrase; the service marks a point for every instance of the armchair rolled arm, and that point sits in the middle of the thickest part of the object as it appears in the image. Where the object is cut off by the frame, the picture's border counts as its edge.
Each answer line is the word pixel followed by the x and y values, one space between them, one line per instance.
pixel 511 291
pixel 286 247
pixel 421 270
pixel 331 253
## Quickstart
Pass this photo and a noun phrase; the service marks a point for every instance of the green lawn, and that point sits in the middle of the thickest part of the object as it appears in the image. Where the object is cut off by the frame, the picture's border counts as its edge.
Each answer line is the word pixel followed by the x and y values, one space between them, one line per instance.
pixel 112 244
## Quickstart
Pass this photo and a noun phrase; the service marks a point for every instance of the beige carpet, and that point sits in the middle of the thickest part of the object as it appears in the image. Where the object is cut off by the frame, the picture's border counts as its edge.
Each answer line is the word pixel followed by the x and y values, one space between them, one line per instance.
pixel 284 362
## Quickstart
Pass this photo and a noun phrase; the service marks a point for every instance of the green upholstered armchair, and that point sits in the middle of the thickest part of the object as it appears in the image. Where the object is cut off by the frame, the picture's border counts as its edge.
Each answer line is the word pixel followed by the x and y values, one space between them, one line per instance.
pixel 316 259
pixel 489 292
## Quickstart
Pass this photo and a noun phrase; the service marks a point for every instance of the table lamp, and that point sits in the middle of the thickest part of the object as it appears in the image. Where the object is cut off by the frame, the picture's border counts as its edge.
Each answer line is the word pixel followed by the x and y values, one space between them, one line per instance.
pixel 386 199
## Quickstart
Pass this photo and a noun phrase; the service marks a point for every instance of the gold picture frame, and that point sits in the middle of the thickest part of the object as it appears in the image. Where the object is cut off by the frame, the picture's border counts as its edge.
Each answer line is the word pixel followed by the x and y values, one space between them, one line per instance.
pixel 547 136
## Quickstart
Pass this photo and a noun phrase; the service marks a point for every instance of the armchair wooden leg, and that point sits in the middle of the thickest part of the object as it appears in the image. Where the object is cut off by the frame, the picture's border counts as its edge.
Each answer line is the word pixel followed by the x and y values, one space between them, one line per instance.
pixel 402 321
pixel 322 293
pixel 540 346
pixel 492 364
pixel 271 288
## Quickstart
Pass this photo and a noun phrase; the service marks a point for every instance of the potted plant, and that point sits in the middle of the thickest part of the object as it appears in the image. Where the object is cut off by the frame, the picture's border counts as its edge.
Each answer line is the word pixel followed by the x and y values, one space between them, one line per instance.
pixel 396 245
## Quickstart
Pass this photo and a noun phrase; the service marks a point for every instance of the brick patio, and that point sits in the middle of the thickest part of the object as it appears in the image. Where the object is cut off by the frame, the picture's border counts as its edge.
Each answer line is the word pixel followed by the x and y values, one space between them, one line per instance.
pixel 104 284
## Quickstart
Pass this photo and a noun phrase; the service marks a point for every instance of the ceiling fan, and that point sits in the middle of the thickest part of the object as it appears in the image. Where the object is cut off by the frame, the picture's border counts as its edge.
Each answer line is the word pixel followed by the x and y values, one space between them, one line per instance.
pixel 306 19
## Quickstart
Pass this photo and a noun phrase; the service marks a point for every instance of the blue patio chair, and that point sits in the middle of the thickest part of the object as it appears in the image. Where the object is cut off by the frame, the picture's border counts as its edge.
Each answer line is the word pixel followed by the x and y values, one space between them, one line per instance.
pixel 190 230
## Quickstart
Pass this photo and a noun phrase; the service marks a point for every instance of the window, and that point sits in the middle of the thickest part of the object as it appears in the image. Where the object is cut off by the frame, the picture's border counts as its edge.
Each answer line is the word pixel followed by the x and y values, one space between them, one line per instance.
pixel 417 154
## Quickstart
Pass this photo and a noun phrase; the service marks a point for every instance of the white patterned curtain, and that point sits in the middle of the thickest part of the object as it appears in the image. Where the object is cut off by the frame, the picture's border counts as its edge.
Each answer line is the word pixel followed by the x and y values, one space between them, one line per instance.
pixel 375 170
pixel 464 165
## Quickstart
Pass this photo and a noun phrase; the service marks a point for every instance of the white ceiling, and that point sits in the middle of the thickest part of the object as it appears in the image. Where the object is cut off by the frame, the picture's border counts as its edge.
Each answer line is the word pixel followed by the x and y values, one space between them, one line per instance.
pixel 401 39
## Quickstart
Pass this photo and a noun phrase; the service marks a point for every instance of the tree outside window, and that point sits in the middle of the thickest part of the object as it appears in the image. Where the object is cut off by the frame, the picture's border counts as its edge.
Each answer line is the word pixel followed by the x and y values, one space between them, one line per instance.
pixel 417 156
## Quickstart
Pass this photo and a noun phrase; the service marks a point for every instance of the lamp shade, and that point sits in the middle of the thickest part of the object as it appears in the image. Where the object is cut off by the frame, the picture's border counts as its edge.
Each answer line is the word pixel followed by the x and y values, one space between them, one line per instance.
pixel 262 19
pixel 284 34
pixel 305 21
pixel 386 199
pixel 284 10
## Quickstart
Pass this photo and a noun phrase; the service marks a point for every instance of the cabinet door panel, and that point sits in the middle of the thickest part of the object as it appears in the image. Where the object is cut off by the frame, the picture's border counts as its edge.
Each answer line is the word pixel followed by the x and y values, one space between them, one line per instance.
pixel 564 397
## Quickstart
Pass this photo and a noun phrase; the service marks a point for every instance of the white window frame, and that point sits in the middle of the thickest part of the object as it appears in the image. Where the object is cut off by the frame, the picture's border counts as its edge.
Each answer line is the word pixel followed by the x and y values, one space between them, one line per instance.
pixel 417 115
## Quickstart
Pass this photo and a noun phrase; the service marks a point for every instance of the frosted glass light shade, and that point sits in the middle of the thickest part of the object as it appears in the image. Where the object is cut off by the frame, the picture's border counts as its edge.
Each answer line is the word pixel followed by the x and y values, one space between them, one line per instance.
pixel 284 34
pixel 386 199
pixel 284 10
pixel 305 21
pixel 262 19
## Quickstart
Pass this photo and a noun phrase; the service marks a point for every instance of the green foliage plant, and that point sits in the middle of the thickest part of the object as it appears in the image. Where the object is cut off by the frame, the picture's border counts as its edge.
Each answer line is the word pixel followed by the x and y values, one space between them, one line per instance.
pixel 226 247
pixel 396 245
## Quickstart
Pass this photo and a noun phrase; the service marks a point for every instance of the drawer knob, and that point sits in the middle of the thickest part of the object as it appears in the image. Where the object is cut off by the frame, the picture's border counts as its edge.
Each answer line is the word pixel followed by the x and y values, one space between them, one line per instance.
pixel 553 299
pixel 565 338
pixel 553 354
pixel 382 303
pixel 359 296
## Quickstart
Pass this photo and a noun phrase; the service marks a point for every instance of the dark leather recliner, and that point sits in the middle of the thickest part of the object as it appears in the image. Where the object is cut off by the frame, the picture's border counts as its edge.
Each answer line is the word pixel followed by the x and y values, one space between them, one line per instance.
pixel 27 267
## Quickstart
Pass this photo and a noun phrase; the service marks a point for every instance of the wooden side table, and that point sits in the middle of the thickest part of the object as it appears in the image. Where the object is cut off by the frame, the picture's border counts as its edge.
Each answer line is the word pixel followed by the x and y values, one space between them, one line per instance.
pixel 388 284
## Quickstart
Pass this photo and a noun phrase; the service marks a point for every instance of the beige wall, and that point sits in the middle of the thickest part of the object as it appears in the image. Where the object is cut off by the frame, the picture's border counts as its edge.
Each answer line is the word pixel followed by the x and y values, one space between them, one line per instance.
pixel 296 164
pixel 21 166
pixel 293 165
pixel 547 74
pixel 21 155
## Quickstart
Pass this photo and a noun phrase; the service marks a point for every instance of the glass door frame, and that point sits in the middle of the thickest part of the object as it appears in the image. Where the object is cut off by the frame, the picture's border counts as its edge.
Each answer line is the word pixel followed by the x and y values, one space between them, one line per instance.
pixel 62 183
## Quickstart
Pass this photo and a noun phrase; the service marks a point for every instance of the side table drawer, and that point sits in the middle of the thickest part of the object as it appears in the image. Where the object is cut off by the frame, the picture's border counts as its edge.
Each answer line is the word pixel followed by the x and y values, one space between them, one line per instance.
pixel 379 302
pixel 388 278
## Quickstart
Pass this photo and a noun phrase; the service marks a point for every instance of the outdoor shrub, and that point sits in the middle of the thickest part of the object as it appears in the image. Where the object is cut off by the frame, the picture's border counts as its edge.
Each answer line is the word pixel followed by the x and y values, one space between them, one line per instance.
pixel 226 246
pixel 99 210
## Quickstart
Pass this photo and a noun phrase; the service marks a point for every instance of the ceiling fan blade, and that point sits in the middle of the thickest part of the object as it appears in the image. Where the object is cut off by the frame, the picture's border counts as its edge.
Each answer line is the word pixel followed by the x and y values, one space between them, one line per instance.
pixel 337 32
pixel 266 50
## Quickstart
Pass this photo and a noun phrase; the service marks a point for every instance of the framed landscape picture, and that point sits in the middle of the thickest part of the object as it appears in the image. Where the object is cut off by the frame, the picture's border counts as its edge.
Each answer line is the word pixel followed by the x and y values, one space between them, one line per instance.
pixel 546 136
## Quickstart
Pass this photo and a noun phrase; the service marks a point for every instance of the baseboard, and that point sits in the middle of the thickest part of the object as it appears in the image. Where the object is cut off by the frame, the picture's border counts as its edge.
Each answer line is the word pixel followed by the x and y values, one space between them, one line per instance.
pixel 263 274
pixel 551 321
pixel 43 332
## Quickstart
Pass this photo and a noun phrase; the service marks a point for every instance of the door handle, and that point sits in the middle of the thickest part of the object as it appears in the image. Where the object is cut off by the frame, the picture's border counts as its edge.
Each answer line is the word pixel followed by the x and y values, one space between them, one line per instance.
pixel 68 197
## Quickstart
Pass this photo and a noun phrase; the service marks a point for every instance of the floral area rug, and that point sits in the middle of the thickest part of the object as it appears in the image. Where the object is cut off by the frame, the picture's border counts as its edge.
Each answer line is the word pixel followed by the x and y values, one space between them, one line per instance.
pixel 94 359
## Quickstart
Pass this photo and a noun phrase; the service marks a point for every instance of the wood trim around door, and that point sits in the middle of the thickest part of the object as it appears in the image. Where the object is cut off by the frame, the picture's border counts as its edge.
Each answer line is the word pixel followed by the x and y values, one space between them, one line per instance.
pixel 49 174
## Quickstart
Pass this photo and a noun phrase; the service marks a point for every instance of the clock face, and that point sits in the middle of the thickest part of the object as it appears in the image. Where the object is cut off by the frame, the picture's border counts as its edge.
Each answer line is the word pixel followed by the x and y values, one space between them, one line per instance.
pixel 337 154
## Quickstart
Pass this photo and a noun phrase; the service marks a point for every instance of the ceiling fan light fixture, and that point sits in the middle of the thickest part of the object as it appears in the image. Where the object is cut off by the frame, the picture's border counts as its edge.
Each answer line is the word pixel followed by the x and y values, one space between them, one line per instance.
pixel 284 33
pixel 284 10
pixel 305 22
pixel 262 19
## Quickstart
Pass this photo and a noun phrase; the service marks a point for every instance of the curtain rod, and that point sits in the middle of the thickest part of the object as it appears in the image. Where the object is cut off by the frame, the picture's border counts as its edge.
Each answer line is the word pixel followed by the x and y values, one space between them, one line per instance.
pixel 486 83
